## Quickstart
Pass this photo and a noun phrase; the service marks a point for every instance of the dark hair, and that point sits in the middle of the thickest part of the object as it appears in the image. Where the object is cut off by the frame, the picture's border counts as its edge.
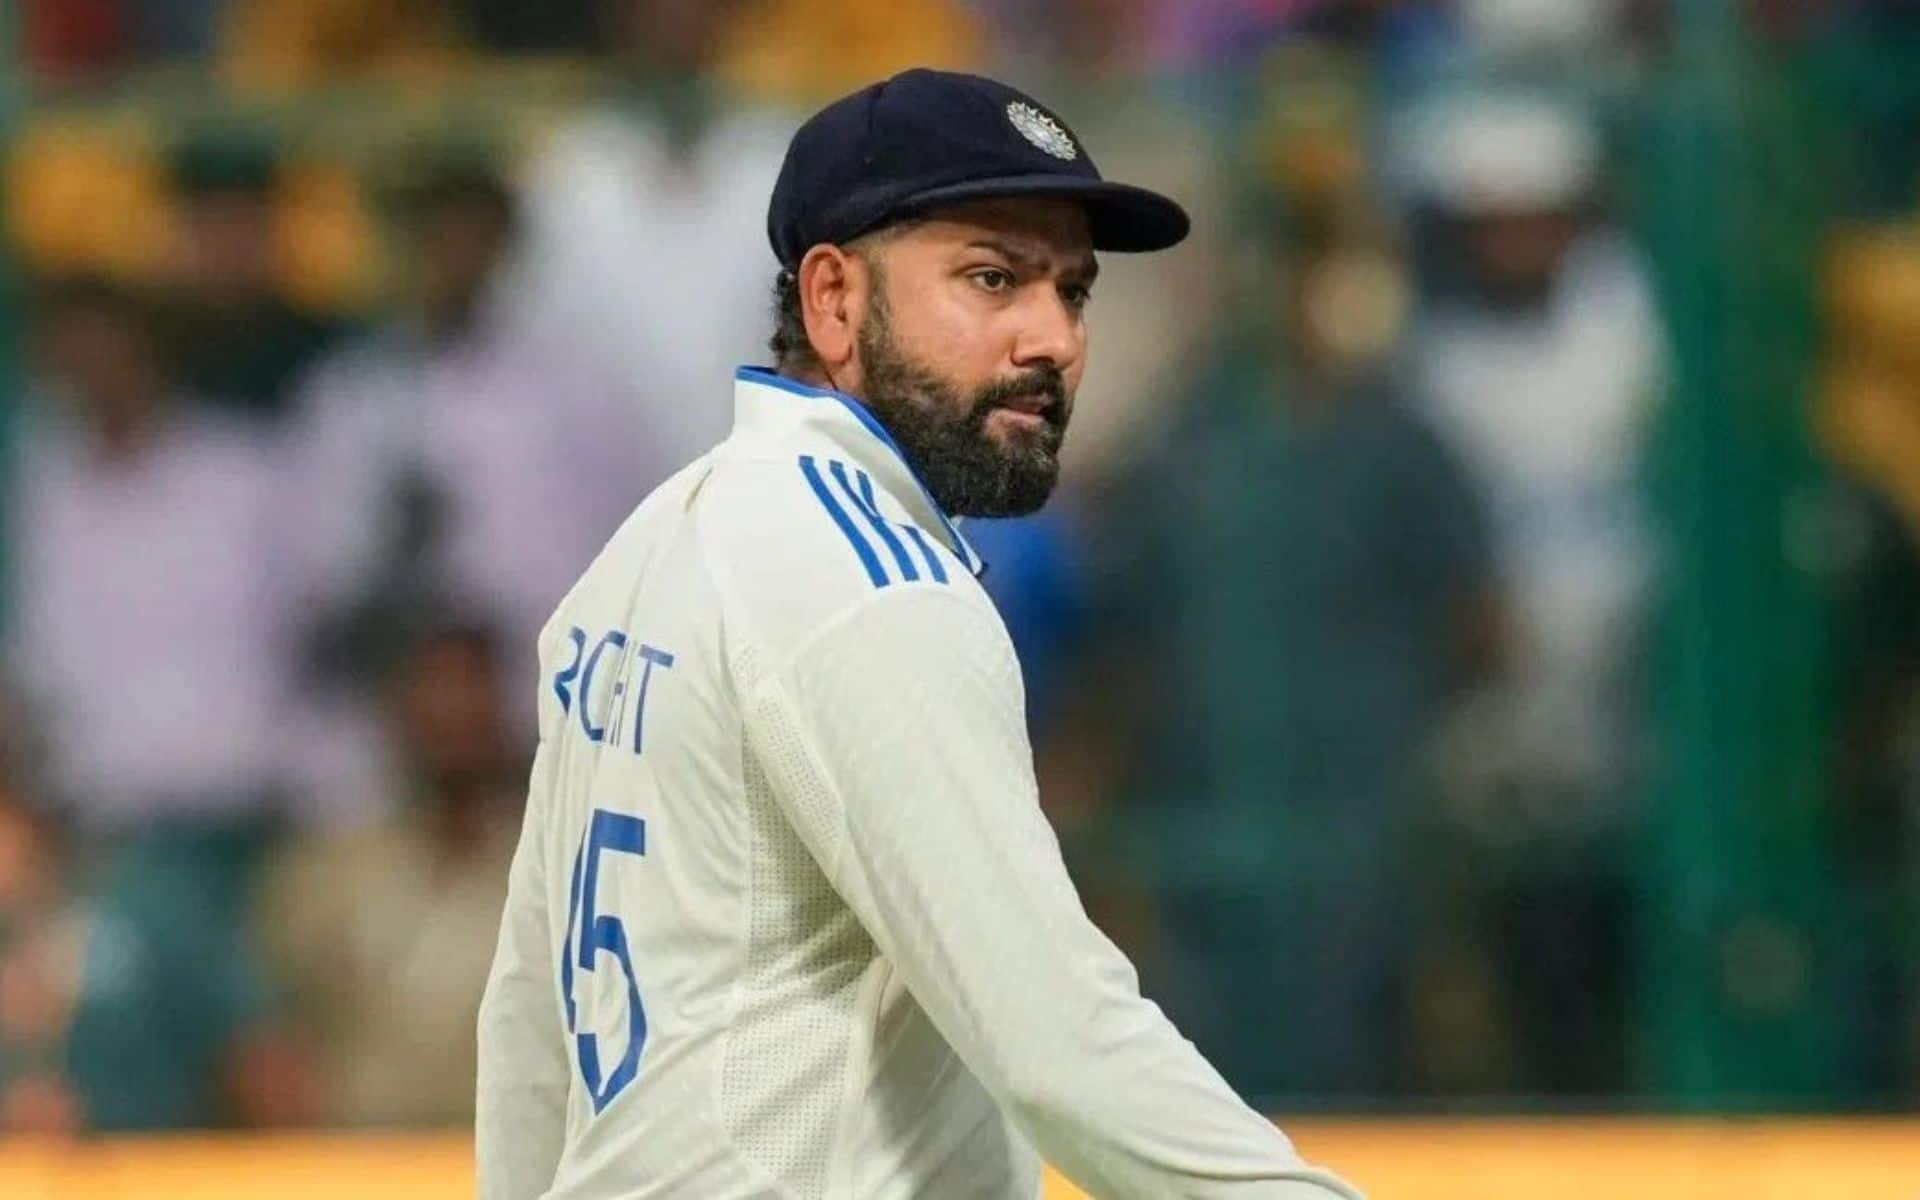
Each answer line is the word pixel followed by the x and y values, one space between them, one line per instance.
pixel 791 349
pixel 789 344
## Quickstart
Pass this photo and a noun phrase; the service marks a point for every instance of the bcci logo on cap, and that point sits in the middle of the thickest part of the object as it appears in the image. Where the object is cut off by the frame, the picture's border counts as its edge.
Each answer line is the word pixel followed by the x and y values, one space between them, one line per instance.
pixel 1042 130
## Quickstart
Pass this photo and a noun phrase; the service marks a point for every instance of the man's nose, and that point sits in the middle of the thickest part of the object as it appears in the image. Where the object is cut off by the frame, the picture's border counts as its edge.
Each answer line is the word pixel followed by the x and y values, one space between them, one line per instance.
pixel 1050 332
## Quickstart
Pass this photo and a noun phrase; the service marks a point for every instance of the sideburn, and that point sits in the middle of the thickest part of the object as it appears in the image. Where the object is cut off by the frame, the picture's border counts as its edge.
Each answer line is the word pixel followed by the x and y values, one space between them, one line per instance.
pixel 943 434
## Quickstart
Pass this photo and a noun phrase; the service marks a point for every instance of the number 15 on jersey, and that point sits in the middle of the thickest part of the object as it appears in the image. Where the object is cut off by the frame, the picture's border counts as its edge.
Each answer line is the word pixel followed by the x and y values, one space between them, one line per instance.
pixel 590 934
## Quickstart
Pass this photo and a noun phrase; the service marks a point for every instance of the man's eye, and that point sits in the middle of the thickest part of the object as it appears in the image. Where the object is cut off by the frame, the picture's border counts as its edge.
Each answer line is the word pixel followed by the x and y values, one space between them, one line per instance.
pixel 993 279
pixel 1076 296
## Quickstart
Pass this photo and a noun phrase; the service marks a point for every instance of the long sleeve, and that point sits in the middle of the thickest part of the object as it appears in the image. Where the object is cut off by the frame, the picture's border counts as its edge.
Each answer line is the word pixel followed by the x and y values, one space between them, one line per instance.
pixel 520 1123
pixel 897 740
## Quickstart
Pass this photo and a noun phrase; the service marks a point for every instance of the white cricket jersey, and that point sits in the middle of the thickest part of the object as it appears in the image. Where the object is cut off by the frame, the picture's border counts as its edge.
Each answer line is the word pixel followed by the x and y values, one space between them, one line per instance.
pixel 785 919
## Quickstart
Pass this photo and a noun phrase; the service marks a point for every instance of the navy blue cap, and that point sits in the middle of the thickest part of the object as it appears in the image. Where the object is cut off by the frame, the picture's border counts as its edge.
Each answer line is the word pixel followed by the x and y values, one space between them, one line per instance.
pixel 924 139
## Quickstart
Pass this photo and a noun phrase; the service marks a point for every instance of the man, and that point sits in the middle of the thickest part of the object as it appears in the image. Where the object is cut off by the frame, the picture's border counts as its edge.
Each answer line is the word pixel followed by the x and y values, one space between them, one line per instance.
pixel 226 325
pixel 1315 641
pixel 378 939
pixel 1538 361
pixel 119 465
pixel 143 554
pixel 785 918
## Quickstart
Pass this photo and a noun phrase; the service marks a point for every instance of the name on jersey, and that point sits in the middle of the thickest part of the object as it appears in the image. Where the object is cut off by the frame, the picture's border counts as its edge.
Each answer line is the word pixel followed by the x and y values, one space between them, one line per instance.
pixel 605 686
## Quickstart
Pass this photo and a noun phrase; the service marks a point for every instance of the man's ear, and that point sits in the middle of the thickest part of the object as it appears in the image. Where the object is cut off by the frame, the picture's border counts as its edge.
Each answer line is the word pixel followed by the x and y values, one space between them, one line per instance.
pixel 833 302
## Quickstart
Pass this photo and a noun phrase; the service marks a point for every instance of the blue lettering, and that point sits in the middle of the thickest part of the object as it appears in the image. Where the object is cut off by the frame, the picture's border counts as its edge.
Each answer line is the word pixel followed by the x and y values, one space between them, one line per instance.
pixel 617 640
pixel 653 658
pixel 565 676
pixel 613 712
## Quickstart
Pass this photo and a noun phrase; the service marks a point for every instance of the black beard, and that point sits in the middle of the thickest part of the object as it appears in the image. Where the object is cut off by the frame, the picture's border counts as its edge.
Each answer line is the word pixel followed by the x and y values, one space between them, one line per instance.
pixel 946 442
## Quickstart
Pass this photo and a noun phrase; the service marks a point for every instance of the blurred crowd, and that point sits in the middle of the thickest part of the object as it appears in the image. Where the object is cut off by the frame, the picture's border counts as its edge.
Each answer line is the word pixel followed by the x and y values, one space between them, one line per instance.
pixel 350 330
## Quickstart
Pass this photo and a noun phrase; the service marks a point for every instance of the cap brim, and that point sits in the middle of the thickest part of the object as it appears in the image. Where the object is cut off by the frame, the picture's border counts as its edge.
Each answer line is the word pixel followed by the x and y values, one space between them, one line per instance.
pixel 1120 217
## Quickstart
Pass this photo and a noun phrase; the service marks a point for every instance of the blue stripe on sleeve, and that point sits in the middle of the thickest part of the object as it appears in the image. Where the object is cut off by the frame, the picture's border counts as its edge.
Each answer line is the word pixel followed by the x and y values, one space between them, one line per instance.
pixel 871 511
pixel 868 558
pixel 768 377
pixel 934 566
pixel 927 552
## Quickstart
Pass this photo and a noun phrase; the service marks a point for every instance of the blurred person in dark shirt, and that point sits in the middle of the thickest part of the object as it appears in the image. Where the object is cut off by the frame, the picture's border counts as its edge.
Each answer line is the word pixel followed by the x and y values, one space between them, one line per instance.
pixel 378 940
pixel 1295 587
pixel 229 330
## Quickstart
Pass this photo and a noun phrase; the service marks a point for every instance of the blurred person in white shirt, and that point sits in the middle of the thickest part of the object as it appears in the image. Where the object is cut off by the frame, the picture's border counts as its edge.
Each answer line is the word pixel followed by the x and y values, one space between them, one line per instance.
pixel 645 221
pixel 1539 360
pixel 452 453
pixel 147 621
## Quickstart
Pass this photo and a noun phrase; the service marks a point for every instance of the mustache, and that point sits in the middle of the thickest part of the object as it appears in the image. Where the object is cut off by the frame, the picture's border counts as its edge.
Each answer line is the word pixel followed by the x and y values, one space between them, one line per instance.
pixel 1041 381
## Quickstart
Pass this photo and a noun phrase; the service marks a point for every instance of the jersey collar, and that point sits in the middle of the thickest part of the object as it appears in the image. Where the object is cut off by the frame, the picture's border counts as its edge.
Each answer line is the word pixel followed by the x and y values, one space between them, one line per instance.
pixel 764 400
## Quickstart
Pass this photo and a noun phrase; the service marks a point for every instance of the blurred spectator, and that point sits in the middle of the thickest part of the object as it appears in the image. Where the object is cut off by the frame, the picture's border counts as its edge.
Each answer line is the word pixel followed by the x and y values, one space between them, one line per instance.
pixel 1538 360
pixel 122 1006
pixel 379 940
pixel 230 332
pixel 454 455
pixel 1298 582
pixel 147 618
pixel 647 242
